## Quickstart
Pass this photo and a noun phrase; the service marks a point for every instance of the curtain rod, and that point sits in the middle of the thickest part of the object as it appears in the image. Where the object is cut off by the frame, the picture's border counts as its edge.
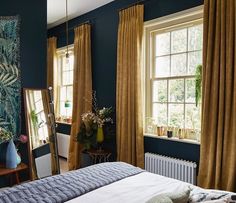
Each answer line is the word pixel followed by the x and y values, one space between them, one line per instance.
pixel 86 22
pixel 72 28
pixel 133 4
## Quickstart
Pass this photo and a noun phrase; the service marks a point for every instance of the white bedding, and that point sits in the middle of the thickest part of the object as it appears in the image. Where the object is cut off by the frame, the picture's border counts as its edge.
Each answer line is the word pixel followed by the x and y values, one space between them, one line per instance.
pixel 134 189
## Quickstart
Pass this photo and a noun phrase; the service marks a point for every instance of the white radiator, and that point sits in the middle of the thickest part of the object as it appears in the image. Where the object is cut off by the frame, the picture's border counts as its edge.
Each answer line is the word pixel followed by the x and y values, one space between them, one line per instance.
pixel 63 144
pixel 43 166
pixel 171 167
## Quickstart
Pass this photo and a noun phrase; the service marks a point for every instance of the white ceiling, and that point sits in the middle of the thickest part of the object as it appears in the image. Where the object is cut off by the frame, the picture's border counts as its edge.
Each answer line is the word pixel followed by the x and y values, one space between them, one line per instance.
pixel 57 9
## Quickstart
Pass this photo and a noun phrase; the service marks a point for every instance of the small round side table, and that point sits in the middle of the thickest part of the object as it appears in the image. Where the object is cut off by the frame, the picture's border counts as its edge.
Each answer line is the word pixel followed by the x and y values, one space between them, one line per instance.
pixel 99 156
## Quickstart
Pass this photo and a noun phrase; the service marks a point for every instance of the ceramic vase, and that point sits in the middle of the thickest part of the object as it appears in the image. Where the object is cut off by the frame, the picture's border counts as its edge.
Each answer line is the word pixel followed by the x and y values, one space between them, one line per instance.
pixel 11 155
pixel 100 135
pixel 18 159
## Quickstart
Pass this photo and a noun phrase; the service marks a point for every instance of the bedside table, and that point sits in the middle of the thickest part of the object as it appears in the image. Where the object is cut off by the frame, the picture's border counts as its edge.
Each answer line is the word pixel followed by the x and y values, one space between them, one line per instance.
pixel 9 172
pixel 99 156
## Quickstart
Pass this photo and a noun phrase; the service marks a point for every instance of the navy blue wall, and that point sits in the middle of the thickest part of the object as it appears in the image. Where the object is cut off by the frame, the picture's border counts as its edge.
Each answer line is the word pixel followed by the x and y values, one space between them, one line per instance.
pixel 33 46
pixel 104 43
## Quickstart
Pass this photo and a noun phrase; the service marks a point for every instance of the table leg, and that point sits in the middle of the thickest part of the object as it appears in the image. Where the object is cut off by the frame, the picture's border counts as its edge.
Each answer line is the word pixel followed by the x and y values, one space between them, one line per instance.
pixel 17 178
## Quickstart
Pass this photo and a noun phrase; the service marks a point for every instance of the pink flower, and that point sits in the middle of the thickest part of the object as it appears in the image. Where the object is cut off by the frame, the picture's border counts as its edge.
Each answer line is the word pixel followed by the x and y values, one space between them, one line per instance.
pixel 23 138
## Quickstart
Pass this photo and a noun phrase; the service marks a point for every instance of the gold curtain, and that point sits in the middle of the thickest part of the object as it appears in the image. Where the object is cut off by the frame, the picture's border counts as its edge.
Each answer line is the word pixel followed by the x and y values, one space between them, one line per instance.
pixel 52 69
pixel 218 140
pixel 51 82
pixel 129 116
pixel 82 89
pixel 46 107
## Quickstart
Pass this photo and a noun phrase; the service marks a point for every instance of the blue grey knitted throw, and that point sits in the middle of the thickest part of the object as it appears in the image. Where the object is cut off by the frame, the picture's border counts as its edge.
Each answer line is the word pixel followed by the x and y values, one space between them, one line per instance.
pixel 64 187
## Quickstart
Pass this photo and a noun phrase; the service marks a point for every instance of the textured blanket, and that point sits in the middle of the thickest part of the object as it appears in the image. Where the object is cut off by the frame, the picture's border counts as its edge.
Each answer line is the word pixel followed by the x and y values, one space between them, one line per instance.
pixel 61 188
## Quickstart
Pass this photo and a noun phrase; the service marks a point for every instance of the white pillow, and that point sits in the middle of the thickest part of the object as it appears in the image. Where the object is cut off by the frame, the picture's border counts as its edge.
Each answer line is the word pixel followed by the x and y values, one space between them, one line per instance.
pixel 180 196
pixel 160 199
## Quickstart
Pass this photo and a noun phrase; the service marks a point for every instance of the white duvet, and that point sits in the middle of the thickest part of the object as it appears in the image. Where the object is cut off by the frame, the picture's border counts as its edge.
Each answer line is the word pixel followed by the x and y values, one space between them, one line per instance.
pixel 134 189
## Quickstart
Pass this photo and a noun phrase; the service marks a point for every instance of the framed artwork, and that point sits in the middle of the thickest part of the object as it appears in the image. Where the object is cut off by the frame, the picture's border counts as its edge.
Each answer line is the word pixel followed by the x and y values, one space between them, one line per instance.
pixel 10 81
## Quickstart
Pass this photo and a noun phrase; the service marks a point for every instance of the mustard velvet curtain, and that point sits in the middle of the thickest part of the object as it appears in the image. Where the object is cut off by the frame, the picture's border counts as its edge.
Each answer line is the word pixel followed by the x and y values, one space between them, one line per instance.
pixel 52 69
pixel 218 140
pixel 52 47
pixel 51 82
pixel 82 89
pixel 129 116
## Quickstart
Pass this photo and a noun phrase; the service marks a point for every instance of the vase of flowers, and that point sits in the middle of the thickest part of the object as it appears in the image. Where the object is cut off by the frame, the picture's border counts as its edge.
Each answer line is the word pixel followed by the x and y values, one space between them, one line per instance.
pixel 11 154
pixel 88 130
pixel 91 129
pixel 12 157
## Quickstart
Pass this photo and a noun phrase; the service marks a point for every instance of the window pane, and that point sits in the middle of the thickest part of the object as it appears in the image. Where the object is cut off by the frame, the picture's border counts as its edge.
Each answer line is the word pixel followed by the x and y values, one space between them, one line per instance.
pixel 162 44
pixel 176 115
pixel 195 36
pixel 66 64
pixel 160 91
pixel 176 90
pixel 190 90
pixel 69 111
pixel 39 106
pixel 194 59
pixel 162 66
pixel 178 64
pixel 69 93
pixel 62 93
pixel 37 95
pixel 179 41
pixel 192 116
pixel 43 118
pixel 71 77
pixel 67 78
pixel 62 109
pixel 160 113
pixel 71 67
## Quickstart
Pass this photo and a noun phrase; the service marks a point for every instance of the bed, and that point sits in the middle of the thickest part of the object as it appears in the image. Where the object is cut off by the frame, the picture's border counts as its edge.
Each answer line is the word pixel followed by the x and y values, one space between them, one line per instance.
pixel 115 182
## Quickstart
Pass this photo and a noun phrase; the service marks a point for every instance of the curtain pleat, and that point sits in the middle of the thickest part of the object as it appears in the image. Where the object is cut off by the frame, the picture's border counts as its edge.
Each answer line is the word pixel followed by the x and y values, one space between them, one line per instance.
pixel 82 89
pixel 129 115
pixel 218 140
pixel 51 82
pixel 52 71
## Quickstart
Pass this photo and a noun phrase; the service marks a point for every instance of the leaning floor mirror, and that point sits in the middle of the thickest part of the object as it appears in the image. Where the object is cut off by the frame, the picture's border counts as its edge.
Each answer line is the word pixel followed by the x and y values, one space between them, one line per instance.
pixel 41 131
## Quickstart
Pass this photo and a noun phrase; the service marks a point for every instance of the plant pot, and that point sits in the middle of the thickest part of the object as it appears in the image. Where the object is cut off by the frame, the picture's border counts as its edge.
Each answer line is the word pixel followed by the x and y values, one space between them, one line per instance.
pixel 85 159
pixel 11 155
pixel 169 134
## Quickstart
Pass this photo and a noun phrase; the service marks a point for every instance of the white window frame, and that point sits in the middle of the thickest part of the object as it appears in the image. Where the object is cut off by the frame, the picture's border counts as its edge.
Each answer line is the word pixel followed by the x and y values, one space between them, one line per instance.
pixel 61 52
pixel 166 23
pixel 32 102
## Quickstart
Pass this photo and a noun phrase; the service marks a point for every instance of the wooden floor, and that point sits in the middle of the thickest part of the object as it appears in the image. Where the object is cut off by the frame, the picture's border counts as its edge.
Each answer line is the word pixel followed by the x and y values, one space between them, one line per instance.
pixel 63 165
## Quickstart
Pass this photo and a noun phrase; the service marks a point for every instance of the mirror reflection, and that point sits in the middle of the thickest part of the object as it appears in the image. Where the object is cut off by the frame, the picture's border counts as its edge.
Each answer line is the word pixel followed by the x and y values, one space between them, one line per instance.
pixel 41 131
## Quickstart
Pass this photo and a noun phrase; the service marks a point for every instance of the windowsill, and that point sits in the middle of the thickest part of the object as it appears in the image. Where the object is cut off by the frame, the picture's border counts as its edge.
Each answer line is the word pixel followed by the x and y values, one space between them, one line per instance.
pixel 62 122
pixel 174 139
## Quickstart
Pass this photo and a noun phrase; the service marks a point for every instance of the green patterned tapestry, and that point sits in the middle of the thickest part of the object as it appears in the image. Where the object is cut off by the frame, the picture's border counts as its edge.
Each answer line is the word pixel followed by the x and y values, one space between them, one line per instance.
pixel 10 83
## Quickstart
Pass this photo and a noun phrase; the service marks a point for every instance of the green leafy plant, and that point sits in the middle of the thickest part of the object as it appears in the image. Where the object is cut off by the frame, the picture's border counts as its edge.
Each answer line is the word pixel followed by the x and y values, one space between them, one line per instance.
pixel 34 118
pixel 198 84
pixel 87 135
pixel 5 135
